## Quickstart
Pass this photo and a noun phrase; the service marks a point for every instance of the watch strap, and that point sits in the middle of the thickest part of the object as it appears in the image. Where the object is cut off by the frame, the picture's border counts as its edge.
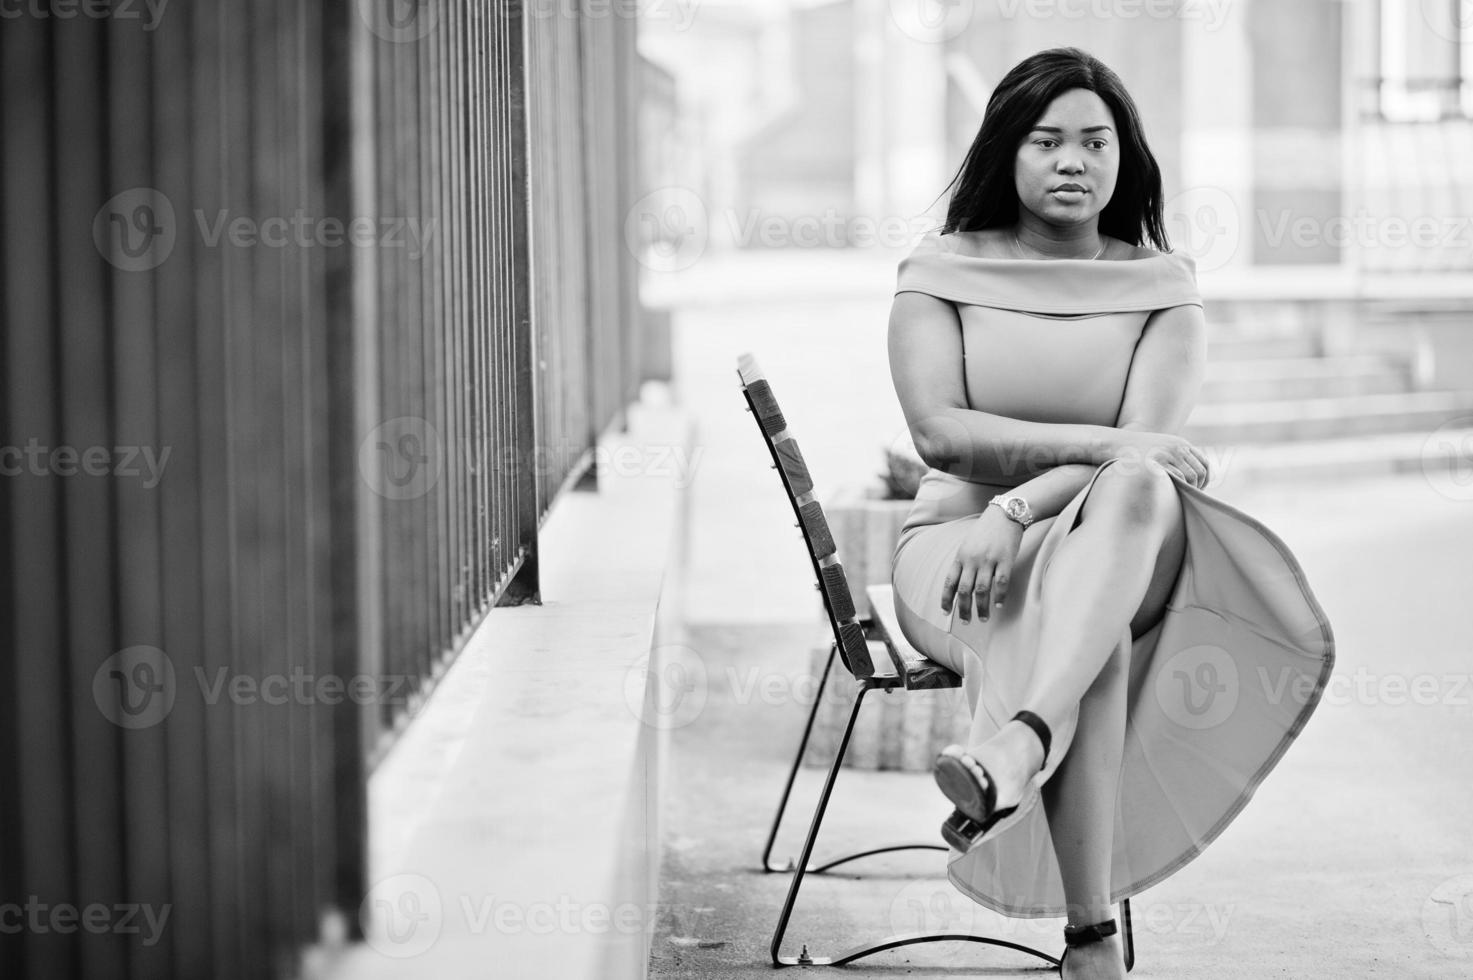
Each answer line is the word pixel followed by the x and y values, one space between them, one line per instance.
pixel 1001 501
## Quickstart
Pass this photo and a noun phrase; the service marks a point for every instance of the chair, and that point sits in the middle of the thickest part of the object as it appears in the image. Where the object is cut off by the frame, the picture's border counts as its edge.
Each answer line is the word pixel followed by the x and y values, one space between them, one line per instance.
pixel 891 664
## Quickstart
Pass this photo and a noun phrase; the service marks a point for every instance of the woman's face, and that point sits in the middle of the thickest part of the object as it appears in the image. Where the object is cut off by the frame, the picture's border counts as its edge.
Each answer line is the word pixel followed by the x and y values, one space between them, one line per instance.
pixel 1067 164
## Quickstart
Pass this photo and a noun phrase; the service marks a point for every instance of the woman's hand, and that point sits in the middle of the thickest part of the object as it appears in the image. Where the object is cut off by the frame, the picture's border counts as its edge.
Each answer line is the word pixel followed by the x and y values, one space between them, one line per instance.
pixel 1173 452
pixel 984 564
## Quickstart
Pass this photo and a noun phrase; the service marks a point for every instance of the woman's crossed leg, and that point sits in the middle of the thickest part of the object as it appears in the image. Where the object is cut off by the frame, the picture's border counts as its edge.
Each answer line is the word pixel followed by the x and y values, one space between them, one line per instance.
pixel 1116 568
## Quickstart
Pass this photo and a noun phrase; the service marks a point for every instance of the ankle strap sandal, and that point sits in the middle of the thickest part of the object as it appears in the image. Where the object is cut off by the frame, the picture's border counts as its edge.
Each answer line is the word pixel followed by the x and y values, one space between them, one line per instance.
pixel 1040 728
pixel 968 784
pixel 1075 936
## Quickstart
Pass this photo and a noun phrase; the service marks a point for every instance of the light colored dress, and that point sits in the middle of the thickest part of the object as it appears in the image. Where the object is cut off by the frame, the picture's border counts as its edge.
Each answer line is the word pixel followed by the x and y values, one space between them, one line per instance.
pixel 1218 689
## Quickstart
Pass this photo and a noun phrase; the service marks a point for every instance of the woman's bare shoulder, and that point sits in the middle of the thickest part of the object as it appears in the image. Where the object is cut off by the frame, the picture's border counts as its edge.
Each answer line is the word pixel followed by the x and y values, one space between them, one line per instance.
pixel 1123 251
pixel 984 243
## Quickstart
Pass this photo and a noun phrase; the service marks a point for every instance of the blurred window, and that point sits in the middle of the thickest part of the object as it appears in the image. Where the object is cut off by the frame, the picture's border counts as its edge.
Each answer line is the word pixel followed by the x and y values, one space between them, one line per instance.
pixel 1425 49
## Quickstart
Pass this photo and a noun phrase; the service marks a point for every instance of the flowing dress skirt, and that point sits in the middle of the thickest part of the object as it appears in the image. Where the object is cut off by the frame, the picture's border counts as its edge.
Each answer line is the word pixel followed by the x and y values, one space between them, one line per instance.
pixel 1218 689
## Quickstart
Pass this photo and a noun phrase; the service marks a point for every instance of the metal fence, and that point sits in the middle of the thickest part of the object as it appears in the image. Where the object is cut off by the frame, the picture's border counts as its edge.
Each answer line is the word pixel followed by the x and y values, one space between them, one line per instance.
pixel 309 311
pixel 452 440
pixel 582 113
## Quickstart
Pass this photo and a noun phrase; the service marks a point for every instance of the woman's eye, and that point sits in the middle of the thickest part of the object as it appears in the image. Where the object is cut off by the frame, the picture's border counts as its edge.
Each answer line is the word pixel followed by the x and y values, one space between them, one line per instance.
pixel 1096 144
pixel 1046 144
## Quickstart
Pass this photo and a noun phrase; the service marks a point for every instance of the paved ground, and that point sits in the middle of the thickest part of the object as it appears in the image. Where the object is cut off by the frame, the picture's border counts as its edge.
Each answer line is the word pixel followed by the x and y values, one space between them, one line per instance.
pixel 1353 860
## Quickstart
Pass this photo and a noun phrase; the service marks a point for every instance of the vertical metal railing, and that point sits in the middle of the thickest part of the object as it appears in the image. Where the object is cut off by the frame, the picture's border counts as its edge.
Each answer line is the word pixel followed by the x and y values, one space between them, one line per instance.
pixel 451 441
pixel 581 115
pixel 558 206
pixel 309 312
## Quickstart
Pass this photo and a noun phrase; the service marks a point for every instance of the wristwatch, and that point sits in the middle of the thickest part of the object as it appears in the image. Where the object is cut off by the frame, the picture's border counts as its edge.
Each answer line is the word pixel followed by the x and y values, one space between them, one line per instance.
pixel 1015 507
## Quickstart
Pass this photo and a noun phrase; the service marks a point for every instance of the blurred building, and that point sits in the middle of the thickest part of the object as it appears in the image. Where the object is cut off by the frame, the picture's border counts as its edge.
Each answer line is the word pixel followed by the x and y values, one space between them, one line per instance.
pixel 1318 133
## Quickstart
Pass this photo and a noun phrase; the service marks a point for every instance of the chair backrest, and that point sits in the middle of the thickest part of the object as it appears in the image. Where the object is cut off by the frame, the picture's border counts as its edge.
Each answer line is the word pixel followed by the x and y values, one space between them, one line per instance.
pixel 787 459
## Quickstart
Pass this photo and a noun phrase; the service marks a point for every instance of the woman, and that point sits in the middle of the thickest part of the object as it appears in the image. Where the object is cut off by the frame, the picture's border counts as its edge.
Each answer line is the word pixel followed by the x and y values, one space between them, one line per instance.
pixel 1137 654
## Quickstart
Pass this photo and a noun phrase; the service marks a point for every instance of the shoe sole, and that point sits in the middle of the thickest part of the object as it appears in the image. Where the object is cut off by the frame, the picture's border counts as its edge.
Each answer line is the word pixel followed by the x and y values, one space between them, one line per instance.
pixel 970 824
pixel 956 781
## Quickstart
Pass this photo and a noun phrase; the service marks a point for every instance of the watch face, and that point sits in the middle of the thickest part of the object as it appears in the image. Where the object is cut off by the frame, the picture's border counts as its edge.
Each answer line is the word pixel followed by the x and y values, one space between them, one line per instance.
pixel 1016 507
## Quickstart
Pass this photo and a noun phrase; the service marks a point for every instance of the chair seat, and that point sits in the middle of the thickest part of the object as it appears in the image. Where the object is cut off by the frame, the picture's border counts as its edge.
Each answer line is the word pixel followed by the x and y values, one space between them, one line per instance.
pixel 914 670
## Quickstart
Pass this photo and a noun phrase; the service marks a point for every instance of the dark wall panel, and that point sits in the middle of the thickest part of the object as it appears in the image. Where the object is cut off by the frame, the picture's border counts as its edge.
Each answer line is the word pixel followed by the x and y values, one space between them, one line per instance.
pixel 265 475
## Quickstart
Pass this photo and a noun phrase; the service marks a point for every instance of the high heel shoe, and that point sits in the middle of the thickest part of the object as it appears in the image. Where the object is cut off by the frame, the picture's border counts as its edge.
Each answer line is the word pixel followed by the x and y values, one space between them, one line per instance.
pixel 967 783
pixel 1076 936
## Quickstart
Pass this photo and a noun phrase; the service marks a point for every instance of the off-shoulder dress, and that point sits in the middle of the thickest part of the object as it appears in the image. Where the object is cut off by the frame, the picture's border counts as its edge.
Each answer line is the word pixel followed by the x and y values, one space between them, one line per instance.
pixel 1219 687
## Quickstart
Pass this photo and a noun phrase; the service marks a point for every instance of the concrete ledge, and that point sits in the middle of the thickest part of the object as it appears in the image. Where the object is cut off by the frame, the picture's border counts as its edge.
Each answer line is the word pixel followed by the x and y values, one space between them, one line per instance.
pixel 1315 283
pixel 515 825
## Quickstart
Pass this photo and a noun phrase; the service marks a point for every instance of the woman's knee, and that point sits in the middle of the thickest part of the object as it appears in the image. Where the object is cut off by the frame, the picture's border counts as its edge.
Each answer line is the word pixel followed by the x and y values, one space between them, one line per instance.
pixel 1139 492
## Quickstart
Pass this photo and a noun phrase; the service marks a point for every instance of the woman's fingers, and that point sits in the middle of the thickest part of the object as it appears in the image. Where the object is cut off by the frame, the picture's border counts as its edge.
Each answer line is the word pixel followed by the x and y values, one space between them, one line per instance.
pixel 964 588
pixel 982 592
pixel 948 588
pixel 975 586
pixel 1191 469
pixel 1199 467
pixel 1206 469
pixel 999 585
pixel 1190 472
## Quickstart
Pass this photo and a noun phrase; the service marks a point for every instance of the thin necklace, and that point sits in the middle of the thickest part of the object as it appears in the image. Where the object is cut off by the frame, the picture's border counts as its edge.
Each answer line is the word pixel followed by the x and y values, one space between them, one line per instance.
pixel 1018 248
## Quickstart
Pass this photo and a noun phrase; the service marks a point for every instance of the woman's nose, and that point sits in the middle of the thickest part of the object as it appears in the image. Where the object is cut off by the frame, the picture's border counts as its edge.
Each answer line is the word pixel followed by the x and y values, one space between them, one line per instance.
pixel 1071 165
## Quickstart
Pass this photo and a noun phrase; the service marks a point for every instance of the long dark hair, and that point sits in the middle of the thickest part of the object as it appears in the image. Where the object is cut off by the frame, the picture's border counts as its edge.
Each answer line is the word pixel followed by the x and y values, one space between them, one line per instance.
pixel 984 194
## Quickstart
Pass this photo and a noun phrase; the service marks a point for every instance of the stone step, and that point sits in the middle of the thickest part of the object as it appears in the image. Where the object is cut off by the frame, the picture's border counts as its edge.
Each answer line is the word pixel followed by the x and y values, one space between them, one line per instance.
pixel 1399 308
pixel 1443 457
pixel 1326 418
pixel 1231 345
pixel 1272 379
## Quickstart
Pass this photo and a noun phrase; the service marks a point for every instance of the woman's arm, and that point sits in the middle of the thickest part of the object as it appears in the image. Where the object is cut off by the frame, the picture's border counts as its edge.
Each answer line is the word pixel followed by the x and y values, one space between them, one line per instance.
pixel 1166 374
pixel 925 343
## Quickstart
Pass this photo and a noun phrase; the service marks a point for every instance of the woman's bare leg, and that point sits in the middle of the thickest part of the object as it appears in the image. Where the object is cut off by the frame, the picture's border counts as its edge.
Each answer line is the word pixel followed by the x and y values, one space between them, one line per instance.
pixel 1116 568
pixel 1080 802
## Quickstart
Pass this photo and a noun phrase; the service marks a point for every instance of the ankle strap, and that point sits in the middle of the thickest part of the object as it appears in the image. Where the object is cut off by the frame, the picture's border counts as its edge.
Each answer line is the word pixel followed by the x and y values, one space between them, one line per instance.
pixel 1040 728
pixel 1086 935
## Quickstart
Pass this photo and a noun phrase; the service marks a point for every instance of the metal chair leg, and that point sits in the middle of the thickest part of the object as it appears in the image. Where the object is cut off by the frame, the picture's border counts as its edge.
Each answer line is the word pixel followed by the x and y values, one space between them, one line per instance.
pixel 782 805
pixel 1129 935
pixel 767 863
pixel 891 942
